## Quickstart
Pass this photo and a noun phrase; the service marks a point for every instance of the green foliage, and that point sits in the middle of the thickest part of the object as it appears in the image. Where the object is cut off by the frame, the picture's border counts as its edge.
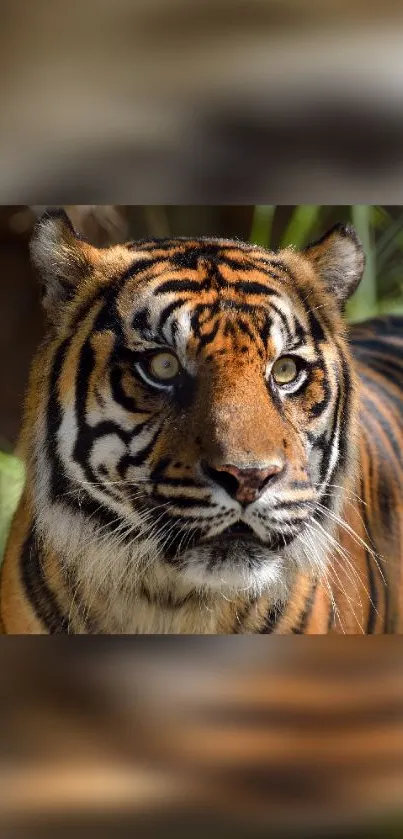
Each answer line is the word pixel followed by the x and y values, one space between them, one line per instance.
pixel 11 485
pixel 364 303
pixel 381 232
pixel 262 225
pixel 301 225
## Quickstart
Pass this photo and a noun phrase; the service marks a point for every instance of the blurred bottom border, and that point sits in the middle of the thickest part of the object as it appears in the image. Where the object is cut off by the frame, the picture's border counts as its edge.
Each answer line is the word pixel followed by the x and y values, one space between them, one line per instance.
pixel 195 736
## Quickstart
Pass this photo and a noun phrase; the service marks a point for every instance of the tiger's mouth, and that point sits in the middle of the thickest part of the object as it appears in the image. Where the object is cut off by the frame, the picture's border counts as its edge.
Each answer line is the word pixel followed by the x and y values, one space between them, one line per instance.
pixel 238 536
pixel 239 532
pixel 242 533
pixel 240 528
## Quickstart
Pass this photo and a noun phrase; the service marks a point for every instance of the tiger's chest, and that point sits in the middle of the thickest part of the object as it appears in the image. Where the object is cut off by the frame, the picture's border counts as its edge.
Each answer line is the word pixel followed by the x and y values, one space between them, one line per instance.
pixel 150 618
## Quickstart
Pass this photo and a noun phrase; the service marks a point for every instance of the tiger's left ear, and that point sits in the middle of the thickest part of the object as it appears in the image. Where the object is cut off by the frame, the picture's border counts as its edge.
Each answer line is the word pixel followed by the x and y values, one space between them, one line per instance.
pixel 339 259
pixel 61 258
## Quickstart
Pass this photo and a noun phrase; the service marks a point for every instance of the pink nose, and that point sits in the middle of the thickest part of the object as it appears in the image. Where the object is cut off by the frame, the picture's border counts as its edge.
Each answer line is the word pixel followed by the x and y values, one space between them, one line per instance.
pixel 243 484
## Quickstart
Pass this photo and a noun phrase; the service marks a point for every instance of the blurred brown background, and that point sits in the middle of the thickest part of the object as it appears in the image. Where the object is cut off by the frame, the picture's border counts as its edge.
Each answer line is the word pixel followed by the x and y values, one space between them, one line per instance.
pixel 206 101
pixel 201 737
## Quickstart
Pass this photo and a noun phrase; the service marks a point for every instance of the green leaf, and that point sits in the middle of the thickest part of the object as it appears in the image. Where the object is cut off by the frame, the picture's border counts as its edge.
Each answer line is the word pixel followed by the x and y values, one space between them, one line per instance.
pixel 262 224
pixel 387 243
pixel 380 218
pixel 364 303
pixel 12 475
pixel 392 306
pixel 303 222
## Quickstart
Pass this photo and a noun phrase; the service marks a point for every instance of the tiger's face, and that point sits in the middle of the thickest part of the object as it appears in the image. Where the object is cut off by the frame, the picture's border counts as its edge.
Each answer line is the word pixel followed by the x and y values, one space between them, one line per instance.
pixel 201 401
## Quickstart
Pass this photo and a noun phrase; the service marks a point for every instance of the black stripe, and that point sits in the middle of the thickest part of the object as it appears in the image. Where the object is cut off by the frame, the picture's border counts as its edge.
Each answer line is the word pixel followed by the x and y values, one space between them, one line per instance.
pixel 189 258
pixel 53 421
pixel 341 423
pixel 86 434
pixel 118 393
pixel 385 325
pixel 108 317
pixel 167 312
pixel 246 330
pixel 182 285
pixel 301 625
pixel 38 592
pixel 300 334
pixel 197 313
pixel 141 320
pixel 374 347
pixel 179 501
pixel 374 411
pixel 345 420
pixel 380 389
pixel 283 319
pixel 241 265
pixel 315 328
pixel 250 287
pixel 163 480
pixel 165 599
pixel 138 458
pixel 61 489
pixel 390 370
pixel 319 407
pixel 271 620
pixel 207 337
pixel 325 445
pixel 238 627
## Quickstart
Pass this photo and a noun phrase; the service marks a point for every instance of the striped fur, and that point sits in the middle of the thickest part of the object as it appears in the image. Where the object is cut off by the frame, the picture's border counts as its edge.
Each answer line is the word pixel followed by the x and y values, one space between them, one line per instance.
pixel 124 527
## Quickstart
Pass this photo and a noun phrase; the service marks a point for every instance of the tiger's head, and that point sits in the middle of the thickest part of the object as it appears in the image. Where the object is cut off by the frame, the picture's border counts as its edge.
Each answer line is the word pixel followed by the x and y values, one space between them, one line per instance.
pixel 195 403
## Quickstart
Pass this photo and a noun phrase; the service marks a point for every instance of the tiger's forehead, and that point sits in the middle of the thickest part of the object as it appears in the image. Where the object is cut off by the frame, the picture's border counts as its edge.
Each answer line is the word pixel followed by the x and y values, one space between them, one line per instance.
pixel 215 264
pixel 212 291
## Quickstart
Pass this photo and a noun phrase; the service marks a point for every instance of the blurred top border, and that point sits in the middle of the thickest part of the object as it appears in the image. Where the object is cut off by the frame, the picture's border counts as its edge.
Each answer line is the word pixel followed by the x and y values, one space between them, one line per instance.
pixel 269 101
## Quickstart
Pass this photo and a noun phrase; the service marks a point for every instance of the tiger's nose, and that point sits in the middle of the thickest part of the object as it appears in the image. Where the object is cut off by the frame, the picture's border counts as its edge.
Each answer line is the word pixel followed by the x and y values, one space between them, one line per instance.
pixel 244 484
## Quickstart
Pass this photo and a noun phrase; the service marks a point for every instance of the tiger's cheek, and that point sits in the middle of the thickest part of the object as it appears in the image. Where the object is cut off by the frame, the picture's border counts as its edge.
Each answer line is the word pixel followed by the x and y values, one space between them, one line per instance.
pixel 315 394
pixel 296 456
pixel 176 446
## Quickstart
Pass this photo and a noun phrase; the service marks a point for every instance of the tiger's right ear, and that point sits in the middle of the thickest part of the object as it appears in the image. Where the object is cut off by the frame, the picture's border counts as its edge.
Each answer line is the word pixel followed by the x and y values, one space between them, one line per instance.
pixel 339 259
pixel 61 258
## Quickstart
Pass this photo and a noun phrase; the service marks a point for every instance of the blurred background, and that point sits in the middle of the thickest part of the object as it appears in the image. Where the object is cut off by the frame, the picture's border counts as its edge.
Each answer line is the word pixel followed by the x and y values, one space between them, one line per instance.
pixel 163 101
pixel 183 737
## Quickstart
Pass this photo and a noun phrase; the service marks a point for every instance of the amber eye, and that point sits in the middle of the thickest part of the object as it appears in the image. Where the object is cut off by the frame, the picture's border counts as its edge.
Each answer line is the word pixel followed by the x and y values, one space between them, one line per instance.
pixel 163 366
pixel 284 370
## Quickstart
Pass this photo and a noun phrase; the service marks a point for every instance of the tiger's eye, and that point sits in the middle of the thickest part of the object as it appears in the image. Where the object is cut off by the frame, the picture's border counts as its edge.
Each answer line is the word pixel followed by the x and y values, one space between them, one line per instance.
pixel 164 366
pixel 284 370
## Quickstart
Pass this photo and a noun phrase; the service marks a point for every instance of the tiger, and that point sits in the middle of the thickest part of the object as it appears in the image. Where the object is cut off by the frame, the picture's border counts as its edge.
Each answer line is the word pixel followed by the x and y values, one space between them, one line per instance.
pixel 208 447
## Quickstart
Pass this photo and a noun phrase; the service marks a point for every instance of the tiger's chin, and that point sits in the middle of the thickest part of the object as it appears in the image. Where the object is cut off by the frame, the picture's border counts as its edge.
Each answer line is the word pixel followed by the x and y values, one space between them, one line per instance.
pixel 238 565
